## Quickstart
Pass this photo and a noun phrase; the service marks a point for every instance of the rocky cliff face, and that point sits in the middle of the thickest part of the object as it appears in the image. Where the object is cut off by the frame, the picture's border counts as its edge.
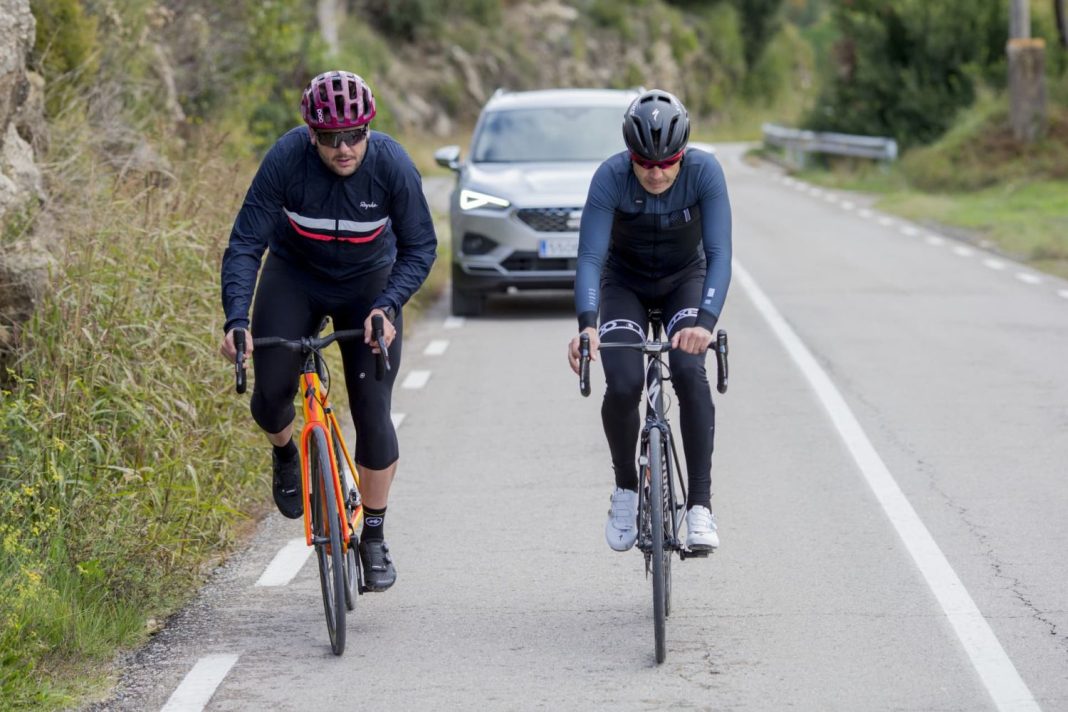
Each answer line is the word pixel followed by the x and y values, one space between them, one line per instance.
pixel 20 181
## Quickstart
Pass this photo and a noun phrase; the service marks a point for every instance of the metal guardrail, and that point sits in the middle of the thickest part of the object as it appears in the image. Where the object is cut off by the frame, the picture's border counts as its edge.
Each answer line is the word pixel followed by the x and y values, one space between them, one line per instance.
pixel 797 143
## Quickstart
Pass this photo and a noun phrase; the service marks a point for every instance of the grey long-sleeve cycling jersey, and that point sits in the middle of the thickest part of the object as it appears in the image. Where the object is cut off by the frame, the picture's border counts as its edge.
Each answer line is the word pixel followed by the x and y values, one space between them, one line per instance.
pixel 645 237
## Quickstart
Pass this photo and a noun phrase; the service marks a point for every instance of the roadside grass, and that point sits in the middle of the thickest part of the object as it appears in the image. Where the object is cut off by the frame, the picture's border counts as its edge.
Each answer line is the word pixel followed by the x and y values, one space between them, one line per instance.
pixel 126 469
pixel 977 184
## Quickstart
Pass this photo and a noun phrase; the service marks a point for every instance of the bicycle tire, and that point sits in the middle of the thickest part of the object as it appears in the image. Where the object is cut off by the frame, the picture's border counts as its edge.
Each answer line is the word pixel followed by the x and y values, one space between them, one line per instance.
pixel 326 528
pixel 656 516
pixel 670 514
pixel 352 566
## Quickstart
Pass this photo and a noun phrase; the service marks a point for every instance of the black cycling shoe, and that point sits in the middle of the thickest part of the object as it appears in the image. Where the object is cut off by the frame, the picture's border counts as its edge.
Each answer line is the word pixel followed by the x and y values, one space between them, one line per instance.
pixel 378 571
pixel 287 494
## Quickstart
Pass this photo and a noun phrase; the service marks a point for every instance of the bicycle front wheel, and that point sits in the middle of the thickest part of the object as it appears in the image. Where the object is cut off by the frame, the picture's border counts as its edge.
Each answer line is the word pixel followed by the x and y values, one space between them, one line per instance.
pixel 656 517
pixel 326 531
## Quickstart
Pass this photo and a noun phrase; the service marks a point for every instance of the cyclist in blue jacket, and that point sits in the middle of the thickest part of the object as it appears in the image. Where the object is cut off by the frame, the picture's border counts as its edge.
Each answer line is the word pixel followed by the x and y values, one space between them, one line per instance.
pixel 340 210
pixel 655 232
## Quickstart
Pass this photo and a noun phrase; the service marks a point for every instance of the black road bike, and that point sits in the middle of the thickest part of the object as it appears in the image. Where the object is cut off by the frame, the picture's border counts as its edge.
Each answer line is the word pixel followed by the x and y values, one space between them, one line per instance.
pixel 662 486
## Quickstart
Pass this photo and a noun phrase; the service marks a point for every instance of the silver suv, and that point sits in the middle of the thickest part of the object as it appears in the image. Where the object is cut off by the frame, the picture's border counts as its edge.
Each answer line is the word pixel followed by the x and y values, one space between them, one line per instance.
pixel 518 199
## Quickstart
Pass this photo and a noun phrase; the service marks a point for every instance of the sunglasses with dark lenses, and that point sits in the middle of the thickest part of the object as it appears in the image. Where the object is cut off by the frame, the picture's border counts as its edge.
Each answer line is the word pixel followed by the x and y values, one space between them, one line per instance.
pixel 650 165
pixel 334 139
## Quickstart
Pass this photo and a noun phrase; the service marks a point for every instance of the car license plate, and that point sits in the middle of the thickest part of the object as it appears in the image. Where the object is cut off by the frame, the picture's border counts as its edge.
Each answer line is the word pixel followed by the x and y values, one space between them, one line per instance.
pixel 558 247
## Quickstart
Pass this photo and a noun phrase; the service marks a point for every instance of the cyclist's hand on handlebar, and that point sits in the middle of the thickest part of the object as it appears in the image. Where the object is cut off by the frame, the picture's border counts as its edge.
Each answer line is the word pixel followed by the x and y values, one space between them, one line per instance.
pixel 573 348
pixel 388 331
pixel 692 340
pixel 229 351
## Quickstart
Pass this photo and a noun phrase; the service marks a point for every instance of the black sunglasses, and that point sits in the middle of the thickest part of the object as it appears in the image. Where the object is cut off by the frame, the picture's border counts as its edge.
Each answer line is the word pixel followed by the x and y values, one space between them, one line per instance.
pixel 334 139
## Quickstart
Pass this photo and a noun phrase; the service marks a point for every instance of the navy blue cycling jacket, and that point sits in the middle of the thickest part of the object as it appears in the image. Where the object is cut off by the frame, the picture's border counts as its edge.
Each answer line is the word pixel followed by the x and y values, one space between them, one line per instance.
pixel 645 237
pixel 331 227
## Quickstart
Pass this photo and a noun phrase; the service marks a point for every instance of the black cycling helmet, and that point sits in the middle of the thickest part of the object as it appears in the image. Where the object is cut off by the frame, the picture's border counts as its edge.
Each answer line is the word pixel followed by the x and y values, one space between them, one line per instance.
pixel 656 126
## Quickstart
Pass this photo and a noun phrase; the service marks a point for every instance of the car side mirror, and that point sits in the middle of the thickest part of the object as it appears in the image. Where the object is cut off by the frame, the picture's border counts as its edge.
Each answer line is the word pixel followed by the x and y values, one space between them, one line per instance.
pixel 448 157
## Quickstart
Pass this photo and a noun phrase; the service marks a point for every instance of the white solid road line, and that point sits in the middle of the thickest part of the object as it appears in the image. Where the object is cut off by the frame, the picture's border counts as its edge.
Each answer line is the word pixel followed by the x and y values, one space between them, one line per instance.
pixel 286 564
pixel 416 379
pixel 1000 677
pixel 199 684
pixel 436 347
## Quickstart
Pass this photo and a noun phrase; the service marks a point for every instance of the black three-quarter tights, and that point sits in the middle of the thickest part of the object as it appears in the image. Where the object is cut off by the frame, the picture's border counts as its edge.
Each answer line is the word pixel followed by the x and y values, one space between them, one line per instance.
pixel 625 302
pixel 291 304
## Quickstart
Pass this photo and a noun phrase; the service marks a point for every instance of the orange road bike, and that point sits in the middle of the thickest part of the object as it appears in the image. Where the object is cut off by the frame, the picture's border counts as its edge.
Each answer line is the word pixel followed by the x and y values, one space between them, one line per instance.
pixel 661 496
pixel 330 483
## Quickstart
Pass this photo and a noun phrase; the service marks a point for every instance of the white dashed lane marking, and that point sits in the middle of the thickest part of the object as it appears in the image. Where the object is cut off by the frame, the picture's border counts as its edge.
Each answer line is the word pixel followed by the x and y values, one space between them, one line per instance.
pixel 397 418
pixel 436 348
pixel 963 251
pixel 286 564
pixel 935 240
pixel 1028 278
pixel 200 683
pixel 994 264
pixel 453 322
pixel 865 213
pixel 1062 293
pixel 416 379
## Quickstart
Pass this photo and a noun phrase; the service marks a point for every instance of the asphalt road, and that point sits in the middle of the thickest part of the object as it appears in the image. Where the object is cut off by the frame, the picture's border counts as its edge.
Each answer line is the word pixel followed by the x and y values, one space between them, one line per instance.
pixel 889 480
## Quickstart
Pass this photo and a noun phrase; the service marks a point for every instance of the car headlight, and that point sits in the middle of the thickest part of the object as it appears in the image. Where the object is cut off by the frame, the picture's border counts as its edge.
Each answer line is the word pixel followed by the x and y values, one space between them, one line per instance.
pixel 472 199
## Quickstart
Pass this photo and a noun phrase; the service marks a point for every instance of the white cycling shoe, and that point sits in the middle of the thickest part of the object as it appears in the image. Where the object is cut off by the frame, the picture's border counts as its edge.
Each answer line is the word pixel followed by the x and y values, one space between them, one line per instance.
pixel 621 529
pixel 701 534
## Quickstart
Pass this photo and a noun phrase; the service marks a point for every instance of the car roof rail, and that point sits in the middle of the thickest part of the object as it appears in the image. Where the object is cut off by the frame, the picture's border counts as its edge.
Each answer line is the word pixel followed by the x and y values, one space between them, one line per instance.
pixel 498 92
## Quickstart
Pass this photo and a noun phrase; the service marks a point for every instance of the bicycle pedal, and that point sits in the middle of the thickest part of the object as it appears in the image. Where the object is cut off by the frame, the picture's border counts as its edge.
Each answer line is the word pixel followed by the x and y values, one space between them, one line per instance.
pixel 694 553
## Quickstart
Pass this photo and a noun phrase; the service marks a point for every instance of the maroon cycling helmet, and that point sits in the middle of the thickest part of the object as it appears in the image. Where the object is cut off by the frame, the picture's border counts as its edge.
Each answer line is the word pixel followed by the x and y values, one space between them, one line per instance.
pixel 337 100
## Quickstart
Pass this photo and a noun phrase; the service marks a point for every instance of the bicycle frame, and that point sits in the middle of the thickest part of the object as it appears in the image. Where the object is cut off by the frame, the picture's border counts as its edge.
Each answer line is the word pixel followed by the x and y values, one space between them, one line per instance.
pixel 655 417
pixel 318 415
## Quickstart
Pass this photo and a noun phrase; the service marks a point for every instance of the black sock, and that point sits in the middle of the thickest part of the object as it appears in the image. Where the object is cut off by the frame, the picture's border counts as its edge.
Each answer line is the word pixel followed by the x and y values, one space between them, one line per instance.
pixel 374 522
pixel 288 452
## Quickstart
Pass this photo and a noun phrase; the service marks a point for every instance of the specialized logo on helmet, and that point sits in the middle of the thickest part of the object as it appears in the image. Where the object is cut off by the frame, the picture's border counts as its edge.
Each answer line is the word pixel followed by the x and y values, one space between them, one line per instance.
pixel 656 114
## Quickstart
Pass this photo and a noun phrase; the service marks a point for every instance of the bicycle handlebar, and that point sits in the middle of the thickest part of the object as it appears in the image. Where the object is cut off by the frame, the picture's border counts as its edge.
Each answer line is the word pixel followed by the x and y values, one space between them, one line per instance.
pixel 307 344
pixel 651 347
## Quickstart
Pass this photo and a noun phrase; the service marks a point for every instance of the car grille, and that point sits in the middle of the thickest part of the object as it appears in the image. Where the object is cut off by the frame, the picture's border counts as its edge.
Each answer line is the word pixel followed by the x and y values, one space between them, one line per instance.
pixel 530 262
pixel 551 219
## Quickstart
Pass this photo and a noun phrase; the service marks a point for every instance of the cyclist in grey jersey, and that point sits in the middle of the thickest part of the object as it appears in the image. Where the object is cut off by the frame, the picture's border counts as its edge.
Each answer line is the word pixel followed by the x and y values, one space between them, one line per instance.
pixel 655 232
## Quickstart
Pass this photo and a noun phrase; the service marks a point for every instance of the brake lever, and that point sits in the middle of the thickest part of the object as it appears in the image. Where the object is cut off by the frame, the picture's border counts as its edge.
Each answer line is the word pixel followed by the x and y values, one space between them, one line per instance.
pixel 584 364
pixel 721 361
pixel 240 383
pixel 382 362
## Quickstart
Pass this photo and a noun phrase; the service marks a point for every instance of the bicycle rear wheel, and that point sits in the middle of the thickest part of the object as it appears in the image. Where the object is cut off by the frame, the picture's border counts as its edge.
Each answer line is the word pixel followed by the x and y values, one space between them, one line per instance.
pixel 656 516
pixel 326 531
pixel 352 567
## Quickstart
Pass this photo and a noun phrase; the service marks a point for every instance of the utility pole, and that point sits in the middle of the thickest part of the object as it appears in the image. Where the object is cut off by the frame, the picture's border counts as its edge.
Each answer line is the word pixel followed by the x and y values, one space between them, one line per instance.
pixel 1027 75
pixel 1062 22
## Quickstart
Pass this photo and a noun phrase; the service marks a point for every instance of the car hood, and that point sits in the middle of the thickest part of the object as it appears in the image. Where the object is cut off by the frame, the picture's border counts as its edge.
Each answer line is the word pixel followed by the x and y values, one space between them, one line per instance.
pixel 534 184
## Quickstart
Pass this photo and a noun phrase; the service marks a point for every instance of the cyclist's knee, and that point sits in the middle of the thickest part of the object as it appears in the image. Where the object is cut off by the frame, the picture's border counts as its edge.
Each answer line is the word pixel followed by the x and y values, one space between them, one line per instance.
pixel 273 417
pixel 623 392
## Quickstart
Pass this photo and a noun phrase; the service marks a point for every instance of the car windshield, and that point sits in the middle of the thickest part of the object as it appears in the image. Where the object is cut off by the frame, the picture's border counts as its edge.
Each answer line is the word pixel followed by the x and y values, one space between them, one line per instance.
pixel 570 133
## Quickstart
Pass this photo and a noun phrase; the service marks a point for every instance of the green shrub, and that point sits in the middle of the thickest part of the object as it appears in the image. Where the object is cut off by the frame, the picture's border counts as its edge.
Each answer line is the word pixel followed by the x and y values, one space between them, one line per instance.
pixel 906 67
